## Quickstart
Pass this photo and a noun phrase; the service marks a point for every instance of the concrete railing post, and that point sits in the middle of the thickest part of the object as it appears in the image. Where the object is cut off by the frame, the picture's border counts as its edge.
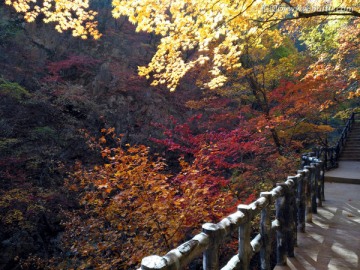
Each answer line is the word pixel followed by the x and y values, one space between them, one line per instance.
pixel 313 186
pixel 293 200
pixel 265 232
pixel 301 201
pixel 211 254
pixel 285 245
pixel 318 182
pixel 309 192
pixel 153 262
pixel 244 238
pixel 322 180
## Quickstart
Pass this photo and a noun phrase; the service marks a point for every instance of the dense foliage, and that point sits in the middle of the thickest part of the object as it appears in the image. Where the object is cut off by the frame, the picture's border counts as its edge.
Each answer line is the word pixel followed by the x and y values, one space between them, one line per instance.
pixel 99 166
pixel 194 33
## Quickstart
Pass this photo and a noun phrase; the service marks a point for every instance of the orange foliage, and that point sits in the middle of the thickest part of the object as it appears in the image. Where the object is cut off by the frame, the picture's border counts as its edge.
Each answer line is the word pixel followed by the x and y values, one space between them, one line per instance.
pixel 132 207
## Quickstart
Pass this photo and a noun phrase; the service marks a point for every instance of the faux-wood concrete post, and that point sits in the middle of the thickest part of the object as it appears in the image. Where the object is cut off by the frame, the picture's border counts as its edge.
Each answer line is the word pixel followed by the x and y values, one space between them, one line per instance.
pixel 313 184
pixel 211 255
pixel 265 232
pixel 244 238
pixel 308 193
pixel 318 182
pixel 284 233
pixel 322 177
pixel 293 223
pixel 301 201
pixel 153 262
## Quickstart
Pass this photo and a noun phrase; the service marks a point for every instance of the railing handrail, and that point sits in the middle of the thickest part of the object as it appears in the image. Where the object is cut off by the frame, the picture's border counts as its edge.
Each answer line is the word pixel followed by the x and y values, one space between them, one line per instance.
pixel 330 155
pixel 295 200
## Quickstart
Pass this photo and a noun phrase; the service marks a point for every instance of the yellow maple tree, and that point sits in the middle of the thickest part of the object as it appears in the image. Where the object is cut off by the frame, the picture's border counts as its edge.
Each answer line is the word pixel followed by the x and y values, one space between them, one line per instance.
pixel 67 15
pixel 192 32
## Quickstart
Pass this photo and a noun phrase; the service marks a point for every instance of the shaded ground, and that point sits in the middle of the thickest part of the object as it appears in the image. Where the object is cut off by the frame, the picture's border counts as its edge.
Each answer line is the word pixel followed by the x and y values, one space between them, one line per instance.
pixel 332 241
pixel 348 172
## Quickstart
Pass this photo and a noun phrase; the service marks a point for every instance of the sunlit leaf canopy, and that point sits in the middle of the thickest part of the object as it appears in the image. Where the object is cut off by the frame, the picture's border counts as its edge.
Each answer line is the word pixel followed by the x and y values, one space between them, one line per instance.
pixel 210 33
pixel 67 15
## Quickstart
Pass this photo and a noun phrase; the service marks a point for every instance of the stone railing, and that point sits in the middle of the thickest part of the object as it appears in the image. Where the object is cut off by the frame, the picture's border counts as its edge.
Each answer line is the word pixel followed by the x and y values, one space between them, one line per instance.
pixel 330 155
pixel 283 211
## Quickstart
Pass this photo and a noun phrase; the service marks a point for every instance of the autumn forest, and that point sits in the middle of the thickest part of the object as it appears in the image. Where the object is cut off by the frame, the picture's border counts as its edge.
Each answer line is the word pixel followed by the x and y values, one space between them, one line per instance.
pixel 126 124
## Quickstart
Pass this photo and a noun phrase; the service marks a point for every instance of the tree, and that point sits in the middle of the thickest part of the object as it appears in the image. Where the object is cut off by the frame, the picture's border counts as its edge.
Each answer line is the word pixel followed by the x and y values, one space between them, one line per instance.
pixel 67 15
pixel 132 206
pixel 283 87
pixel 74 66
pixel 192 32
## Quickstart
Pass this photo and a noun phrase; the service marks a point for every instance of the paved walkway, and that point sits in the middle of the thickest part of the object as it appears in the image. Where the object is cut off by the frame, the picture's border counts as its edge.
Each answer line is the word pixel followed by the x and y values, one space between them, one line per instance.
pixel 332 241
pixel 348 172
